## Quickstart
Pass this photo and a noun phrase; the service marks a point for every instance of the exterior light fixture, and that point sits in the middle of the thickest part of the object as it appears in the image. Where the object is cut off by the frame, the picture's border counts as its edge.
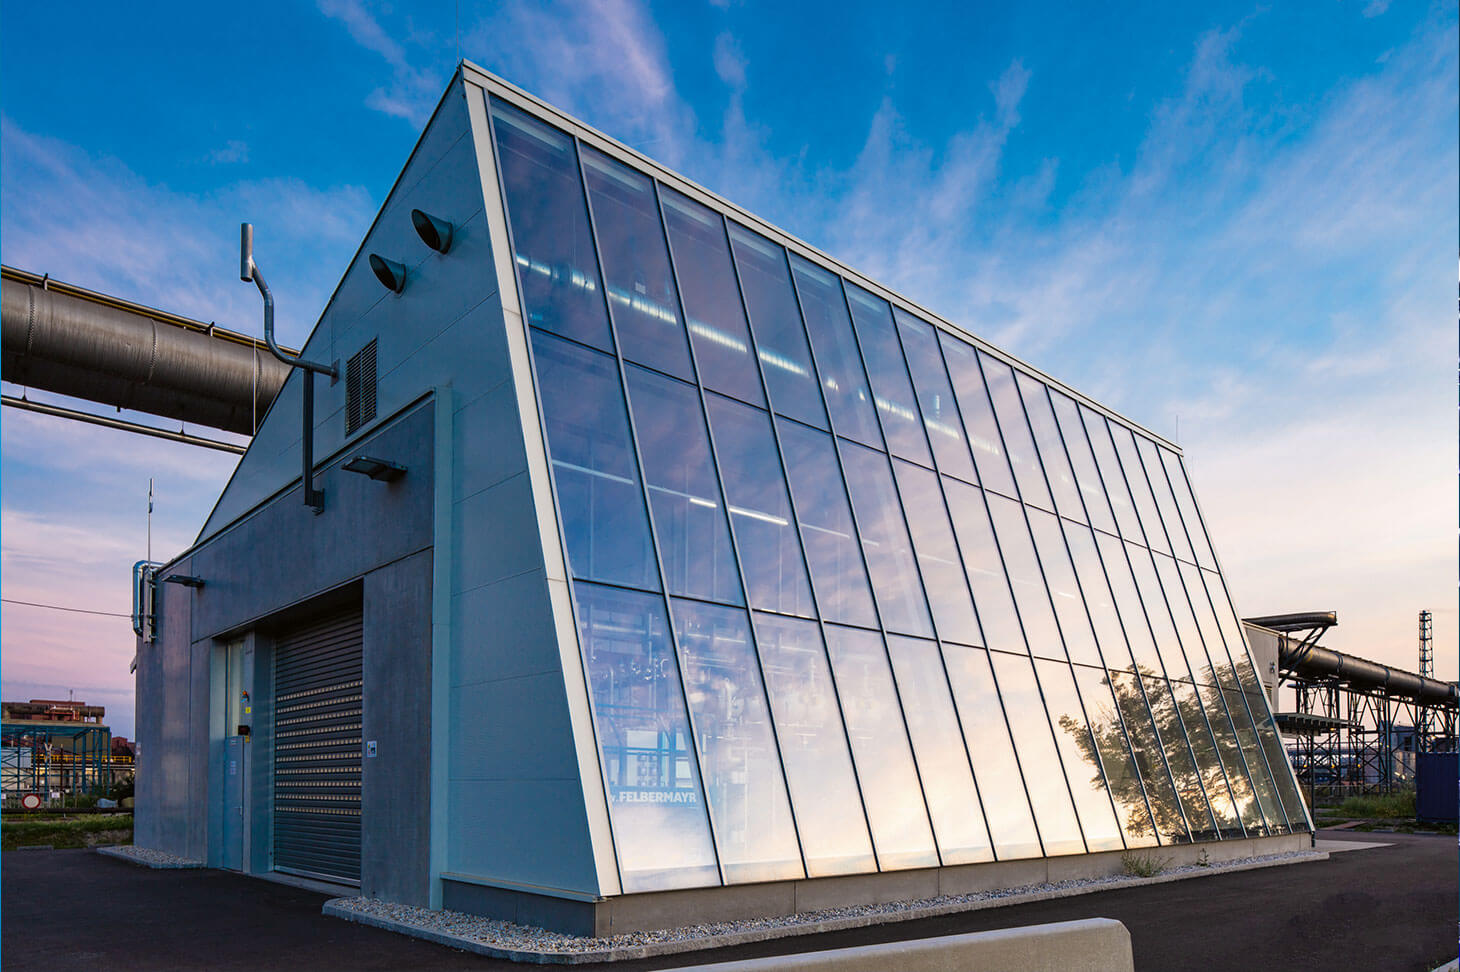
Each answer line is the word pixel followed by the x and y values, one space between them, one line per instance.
pixel 435 233
pixel 391 274
pixel 381 470
pixel 184 579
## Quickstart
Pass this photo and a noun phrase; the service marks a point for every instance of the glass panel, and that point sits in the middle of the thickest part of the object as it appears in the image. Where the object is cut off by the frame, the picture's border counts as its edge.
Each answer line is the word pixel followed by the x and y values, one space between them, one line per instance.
pixel 837 571
pixel 937 554
pixel 775 320
pixel 1172 731
pixel 1025 577
pixel 1165 501
pixel 1010 410
pixel 885 542
pixel 1209 763
pixel 1231 632
pixel 689 518
pixel 843 383
pixel 599 503
pixel 1277 762
pixel 890 786
pixel 953 798
pixel 1221 666
pixel 978 415
pixel 711 298
pixel 1081 760
pixel 1069 603
pixel 1051 448
pixel 985 567
pixel 1149 753
pixel 1162 626
pixel 1096 591
pixel 1033 740
pixel 654 796
pixel 1087 475
pixel 1240 772
pixel 894 395
pixel 640 286
pixel 1186 629
pixel 554 249
pixel 1135 478
pixel 935 397
pixel 738 754
pixel 1115 488
pixel 1186 499
pixel 987 737
pixel 760 512
pixel 1252 751
pixel 1128 603
pixel 1104 722
pixel 824 791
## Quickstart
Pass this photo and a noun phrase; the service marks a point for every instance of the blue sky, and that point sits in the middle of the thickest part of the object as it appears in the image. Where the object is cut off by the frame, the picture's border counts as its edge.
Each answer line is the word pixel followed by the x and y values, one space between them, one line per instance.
pixel 1236 224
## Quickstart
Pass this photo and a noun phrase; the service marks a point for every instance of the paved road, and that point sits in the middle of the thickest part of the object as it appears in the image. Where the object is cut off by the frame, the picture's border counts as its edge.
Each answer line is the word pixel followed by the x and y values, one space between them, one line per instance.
pixel 1379 909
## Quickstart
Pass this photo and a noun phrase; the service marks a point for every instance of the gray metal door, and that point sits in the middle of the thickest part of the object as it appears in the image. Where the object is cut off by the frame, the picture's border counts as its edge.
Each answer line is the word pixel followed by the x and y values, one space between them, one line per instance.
pixel 317 704
pixel 235 777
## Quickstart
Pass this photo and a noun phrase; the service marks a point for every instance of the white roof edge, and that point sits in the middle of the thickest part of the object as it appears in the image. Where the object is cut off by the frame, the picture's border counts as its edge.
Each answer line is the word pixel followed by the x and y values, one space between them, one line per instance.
pixel 510 92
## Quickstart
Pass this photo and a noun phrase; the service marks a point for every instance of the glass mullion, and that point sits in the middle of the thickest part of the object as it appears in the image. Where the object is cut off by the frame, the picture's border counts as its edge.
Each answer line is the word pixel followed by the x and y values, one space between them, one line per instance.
pixel 897 406
pixel 1180 757
pixel 1014 426
pixel 1140 488
pixel 834 351
pixel 1211 762
pixel 1036 613
pixel 1168 800
pixel 885 542
pixel 939 563
pixel 1122 504
pixel 1064 590
pixel 1082 460
pixel 782 625
pixel 854 373
pixel 676 704
pixel 940 751
pixel 935 398
pixel 1186 501
pixel 1075 743
pixel 901 826
pixel 754 869
pixel 977 411
pixel 1165 500
pixel 1058 473
pixel 1124 779
pixel 661 831
pixel 776 328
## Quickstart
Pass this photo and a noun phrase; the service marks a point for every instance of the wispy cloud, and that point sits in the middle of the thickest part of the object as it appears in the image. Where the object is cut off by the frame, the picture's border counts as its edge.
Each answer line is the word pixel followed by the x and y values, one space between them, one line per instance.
pixel 234 151
pixel 413 90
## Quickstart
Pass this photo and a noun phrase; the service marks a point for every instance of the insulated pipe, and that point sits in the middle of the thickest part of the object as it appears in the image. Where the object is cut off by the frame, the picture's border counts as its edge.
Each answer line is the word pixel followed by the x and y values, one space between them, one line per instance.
pixel 1364 674
pixel 72 346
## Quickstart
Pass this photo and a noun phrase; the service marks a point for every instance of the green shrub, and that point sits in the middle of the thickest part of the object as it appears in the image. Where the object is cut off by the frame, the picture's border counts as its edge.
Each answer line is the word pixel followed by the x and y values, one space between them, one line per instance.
pixel 1387 807
pixel 1143 865
pixel 67 832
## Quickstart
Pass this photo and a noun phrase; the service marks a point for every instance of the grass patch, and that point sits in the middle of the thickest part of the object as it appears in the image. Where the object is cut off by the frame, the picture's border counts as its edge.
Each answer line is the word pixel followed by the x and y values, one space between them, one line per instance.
pixel 1380 807
pixel 67 832
pixel 1143 865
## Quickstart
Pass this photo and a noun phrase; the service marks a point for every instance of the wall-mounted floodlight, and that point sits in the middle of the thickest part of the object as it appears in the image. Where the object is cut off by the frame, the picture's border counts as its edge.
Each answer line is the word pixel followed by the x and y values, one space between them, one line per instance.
pixel 184 579
pixel 382 470
pixel 435 233
pixel 389 273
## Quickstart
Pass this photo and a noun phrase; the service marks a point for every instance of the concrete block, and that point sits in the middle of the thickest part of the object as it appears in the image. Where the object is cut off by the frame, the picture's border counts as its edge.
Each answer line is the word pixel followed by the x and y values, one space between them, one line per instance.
pixel 1089 945
pixel 972 878
pixel 855 889
pixel 674 909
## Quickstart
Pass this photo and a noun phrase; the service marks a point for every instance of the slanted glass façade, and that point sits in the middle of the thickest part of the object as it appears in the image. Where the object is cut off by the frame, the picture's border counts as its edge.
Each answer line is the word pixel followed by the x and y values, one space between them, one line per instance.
pixel 905 516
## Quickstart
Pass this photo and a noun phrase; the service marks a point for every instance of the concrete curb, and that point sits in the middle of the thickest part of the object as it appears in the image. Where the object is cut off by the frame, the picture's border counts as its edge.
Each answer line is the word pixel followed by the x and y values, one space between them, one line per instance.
pixel 156 860
pixel 339 908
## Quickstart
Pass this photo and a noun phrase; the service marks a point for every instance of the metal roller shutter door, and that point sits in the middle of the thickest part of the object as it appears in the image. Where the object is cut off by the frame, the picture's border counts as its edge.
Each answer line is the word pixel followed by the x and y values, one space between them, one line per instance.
pixel 317 704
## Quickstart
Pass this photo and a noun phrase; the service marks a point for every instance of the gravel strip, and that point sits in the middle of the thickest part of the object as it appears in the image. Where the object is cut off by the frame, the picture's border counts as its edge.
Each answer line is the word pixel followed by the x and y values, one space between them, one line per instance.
pixel 521 943
pixel 149 858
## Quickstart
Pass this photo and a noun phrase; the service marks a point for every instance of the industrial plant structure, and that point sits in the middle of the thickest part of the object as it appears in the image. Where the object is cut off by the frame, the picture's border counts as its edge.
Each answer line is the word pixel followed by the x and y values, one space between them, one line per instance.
pixel 646 565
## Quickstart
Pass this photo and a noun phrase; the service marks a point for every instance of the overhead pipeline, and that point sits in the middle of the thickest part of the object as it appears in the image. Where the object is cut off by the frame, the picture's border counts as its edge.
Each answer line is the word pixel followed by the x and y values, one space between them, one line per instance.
pixel 72 342
pixel 1316 662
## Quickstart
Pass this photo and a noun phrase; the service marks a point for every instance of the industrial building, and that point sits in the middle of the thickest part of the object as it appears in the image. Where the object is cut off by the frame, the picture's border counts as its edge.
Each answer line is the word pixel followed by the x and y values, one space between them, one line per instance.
pixel 611 559
pixel 58 751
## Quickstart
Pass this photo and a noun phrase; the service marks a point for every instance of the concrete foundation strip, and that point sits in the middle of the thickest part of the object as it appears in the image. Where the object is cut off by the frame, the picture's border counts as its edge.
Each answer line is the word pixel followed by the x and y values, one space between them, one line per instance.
pixel 350 909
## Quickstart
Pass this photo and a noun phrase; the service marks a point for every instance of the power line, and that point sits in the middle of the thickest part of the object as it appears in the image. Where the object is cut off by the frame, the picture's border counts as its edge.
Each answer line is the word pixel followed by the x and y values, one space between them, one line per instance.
pixel 57 607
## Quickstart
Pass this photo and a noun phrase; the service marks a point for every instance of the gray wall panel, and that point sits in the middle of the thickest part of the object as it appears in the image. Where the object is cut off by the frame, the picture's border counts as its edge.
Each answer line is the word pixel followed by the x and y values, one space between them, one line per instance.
pixel 396 784
pixel 488 619
pixel 533 832
pixel 534 705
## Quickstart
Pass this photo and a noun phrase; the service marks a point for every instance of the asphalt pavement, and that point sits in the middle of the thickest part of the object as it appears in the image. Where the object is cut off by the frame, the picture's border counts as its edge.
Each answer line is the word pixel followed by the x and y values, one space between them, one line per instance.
pixel 1379 909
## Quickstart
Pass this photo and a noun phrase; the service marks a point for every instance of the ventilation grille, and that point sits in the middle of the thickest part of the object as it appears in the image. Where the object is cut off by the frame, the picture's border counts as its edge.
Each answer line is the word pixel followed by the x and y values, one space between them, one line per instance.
pixel 360 388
